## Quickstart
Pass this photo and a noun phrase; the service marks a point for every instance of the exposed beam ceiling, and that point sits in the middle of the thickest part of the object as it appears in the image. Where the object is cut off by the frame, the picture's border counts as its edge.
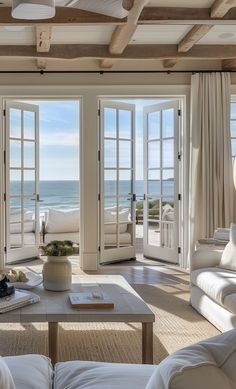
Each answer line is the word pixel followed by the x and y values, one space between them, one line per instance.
pixel 149 15
pixel 122 35
pixel 229 64
pixel 106 63
pixel 43 43
pixel 169 63
pixel 221 7
pixel 71 51
pixel 193 36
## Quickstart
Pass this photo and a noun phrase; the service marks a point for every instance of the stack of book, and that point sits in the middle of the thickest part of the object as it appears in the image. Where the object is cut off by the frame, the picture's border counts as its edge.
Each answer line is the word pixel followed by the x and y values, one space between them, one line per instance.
pixel 17 300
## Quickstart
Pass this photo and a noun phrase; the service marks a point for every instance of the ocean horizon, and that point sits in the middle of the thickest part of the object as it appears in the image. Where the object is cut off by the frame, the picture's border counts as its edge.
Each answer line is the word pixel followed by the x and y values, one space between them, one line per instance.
pixel 64 194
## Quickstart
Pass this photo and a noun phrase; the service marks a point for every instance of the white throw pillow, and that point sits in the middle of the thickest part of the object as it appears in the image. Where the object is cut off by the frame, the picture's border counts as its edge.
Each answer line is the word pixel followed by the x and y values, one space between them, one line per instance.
pixel 209 364
pixel 228 258
pixel 6 380
pixel 59 221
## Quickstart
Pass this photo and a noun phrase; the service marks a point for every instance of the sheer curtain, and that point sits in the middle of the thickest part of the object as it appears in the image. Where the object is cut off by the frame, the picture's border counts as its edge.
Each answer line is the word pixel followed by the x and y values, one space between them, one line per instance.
pixel 212 191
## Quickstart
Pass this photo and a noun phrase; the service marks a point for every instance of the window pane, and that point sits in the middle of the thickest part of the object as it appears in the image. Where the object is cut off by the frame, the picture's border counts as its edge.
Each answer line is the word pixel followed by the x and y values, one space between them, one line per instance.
pixel 233 110
pixel 233 142
pixel 110 182
pixel 29 182
pixel 154 186
pixel 110 153
pixel 29 154
pixel 125 124
pixel 29 125
pixel 125 182
pixel 154 154
pixel 168 153
pixel 15 182
pixel 125 154
pixel 154 125
pixel 110 123
pixel 233 128
pixel 15 122
pixel 168 182
pixel 168 123
pixel 15 153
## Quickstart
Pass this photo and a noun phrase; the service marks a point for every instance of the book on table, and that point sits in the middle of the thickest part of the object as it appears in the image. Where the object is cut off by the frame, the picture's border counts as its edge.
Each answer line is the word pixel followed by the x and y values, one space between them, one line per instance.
pixel 17 300
pixel 90 300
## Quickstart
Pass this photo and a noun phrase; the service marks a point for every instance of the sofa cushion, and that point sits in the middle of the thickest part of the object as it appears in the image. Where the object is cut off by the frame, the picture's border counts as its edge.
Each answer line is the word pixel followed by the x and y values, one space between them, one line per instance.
pixel 97 375
pixel 30 371
pixel 216 283
pixel 228 259
pixel 110 216
pixel 59 221
pixel 111 239
pixel 6 379
pixel 208 364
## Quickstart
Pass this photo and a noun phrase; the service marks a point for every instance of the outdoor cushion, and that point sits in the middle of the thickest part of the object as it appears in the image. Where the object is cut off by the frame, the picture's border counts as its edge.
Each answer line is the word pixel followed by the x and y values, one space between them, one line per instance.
pixel 98 375
pixel 73 236
pixel 15 228
pixel 30 371
pixel 111 228
pixel 209 364
pixel 215 282
pixel 6 379
pixel 111 239
pixel 59 221
pixel 228 259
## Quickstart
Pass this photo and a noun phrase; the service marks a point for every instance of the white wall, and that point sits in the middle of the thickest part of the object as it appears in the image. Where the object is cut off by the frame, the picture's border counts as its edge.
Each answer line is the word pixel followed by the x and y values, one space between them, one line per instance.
pixel 90 88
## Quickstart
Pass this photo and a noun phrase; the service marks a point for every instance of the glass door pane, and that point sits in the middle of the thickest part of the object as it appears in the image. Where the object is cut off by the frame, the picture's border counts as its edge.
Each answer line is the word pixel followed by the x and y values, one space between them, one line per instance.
pixel 161 181
pixel 117 203
pixel 22 181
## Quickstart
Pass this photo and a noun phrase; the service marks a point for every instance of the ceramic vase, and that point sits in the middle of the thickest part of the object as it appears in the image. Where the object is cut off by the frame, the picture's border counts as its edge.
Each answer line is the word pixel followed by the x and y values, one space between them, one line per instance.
pixel 57 273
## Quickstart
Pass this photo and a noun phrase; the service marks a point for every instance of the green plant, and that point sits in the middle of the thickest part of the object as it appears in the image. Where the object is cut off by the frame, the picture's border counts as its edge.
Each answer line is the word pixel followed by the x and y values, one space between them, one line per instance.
pixel 57 248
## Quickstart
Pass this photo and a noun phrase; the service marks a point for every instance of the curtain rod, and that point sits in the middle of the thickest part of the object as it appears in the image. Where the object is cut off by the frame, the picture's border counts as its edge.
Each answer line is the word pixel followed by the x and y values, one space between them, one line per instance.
pixel 101 72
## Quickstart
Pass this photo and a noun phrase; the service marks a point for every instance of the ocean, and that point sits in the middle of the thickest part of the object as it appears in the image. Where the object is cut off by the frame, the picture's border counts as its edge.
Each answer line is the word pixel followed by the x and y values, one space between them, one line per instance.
pixel 65 194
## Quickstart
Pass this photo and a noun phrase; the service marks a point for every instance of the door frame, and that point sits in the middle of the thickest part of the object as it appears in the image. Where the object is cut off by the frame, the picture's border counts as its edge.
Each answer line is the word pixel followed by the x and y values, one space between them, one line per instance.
pixel 120 253
pixel 148 249
pixel 27 251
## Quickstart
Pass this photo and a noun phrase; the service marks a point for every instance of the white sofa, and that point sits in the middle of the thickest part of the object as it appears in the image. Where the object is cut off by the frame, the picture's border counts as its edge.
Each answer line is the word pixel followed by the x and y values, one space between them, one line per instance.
pixel 64 225
pixel 213 289
pixel 209 364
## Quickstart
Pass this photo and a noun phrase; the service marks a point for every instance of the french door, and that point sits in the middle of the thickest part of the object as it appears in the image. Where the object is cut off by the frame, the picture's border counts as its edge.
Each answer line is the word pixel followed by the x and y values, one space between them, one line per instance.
pixel 117 178
pixel 161 181
pixel 22 181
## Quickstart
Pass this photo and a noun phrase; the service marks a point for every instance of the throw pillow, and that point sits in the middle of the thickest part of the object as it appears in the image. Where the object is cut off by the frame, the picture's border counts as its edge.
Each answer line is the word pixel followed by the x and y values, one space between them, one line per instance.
pixel 6 380
pixel 228 258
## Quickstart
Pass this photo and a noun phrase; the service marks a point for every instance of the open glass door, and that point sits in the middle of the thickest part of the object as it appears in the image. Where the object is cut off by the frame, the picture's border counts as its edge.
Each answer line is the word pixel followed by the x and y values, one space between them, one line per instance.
pixel 117 178
pixel 22 181
pixel 161 171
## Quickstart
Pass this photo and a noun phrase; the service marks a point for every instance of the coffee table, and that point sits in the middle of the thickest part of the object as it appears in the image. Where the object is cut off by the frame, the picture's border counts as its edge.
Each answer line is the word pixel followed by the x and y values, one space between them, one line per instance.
pixel 55 307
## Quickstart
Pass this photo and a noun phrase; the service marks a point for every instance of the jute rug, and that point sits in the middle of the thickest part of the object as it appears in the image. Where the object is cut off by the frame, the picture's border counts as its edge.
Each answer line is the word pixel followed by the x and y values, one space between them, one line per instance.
pixel 177 325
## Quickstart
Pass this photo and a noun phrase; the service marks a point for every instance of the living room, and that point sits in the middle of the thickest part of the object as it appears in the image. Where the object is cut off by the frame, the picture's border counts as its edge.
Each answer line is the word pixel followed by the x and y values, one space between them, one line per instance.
pixel 132 283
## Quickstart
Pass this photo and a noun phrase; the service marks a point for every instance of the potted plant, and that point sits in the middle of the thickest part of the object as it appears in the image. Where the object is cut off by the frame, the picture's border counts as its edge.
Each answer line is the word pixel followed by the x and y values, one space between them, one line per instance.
pixel 57 271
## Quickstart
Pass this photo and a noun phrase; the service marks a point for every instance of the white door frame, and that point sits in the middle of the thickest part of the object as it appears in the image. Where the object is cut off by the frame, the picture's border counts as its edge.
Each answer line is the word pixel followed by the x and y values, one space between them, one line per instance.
pixel 110 254
pixel 168 248
pixel 25 251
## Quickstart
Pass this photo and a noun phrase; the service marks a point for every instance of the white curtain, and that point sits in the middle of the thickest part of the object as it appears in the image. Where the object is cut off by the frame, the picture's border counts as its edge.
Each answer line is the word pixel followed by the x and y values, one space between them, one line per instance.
pixel 211 175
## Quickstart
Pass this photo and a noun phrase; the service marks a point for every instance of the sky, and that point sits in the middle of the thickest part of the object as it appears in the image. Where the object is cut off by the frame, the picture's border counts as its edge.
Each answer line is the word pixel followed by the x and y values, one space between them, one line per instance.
pixel 59 138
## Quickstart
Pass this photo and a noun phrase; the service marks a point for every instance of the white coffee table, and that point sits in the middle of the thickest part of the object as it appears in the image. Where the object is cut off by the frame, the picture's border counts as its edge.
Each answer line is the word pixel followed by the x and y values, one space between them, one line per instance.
pixel 55 307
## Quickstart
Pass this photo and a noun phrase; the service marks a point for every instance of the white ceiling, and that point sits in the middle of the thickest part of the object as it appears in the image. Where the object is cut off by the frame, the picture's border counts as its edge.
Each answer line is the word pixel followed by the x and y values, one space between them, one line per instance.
pixel 214 36
pixel 159 34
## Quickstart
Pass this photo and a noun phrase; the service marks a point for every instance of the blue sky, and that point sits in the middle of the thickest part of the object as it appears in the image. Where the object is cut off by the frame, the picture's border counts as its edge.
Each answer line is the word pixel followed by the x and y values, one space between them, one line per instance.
pixel 59 138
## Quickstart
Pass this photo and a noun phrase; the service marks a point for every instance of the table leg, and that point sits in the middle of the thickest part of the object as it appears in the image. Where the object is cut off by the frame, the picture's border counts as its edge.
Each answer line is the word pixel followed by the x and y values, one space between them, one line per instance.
pixel 53 341
pixel 147 343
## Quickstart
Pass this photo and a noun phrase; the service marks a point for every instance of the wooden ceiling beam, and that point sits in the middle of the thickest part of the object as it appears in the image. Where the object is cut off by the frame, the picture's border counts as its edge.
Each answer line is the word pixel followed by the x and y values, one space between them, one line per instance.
pixel 122 35
pixel 43 38
pixel 41 63
pixel 106 63
pixel 229 64
pixel 221 7
pixel 74 51
pixel 149 15
pixel 169 63
pixel 193 36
